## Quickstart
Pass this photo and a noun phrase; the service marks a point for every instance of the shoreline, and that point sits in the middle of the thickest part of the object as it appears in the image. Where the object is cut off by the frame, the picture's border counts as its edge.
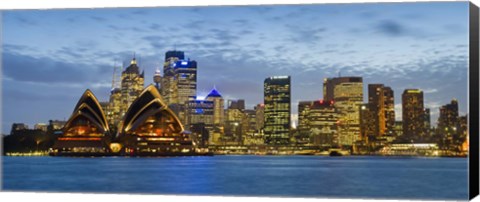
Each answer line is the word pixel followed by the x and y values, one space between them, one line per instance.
pixel 42 154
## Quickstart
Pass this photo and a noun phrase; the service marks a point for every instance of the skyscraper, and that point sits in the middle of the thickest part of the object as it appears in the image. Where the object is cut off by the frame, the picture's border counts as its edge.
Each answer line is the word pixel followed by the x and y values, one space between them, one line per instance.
pixel 234 120
pixel 381 102
pixel 218 107
pixel 260 111
pixel 367 122
pixel 448 123
pixel 413 115
pixel 322 123
pixel 168 80
pixel 277 110
pixel 303 110
pixel 114 108
pixel 347 92
pixel 132 85
pixel 179 82
pixel 201 111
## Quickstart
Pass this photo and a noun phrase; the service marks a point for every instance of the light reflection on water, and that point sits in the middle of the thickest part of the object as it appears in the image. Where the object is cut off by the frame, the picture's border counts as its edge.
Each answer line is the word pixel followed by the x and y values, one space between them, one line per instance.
pixel 294 176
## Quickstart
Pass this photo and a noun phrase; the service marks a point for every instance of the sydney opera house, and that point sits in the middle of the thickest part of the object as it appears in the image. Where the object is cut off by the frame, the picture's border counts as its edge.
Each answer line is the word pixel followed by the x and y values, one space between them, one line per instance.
pixel 148 128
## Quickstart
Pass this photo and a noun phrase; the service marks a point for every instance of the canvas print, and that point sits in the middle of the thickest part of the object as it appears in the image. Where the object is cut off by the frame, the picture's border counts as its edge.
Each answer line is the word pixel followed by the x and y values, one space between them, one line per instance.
pixel 314 100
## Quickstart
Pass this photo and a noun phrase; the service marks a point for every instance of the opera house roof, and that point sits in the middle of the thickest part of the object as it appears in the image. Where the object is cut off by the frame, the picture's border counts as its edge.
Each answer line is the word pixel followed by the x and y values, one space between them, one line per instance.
pixel 149 103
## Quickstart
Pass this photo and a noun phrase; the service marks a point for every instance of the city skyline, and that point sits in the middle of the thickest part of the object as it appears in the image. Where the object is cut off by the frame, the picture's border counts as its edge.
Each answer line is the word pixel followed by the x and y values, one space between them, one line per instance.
pixel 30 64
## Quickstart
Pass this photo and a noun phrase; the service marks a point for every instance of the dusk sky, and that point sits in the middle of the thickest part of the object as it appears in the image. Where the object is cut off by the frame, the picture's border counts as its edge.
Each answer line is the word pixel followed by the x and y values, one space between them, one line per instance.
pixel 50 57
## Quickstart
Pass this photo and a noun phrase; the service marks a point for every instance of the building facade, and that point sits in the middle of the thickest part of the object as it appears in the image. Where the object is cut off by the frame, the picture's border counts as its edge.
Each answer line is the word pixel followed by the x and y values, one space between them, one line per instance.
pixel 347 93
pixel 322 123
pixel 179 82
pixel 413 115
pixel 218 107
pixel 277 98
pixel 132 84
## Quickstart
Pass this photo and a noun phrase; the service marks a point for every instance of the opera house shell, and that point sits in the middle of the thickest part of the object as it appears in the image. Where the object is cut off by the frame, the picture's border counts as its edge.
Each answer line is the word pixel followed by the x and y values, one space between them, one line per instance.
pixel 86 132
pixel 150 128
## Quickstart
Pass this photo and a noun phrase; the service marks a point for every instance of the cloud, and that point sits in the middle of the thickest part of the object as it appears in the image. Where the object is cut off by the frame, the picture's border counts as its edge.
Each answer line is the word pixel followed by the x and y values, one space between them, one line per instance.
pixel 301 34
pixel 44 70
pixel 98 19
pixel 390 28
pixel 26 21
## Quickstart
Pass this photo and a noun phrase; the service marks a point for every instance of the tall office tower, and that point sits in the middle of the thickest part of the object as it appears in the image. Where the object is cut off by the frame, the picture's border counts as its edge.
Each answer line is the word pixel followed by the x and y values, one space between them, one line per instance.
pixel 347 92
pixel 201 111
pixel 448 122
pixel 234 119
pixel 322 123
pixel 131 86
pixel 303 135
pixel 260 111
pixel 448 115
pixel 381 102
pixel 113 112
pixel 277 96
pixel 179 82
pixel 389 110
pixel 377 100
pixel 251 136
pixel 218 107
pixel 367 122
pixel 413 115
pixel 167 82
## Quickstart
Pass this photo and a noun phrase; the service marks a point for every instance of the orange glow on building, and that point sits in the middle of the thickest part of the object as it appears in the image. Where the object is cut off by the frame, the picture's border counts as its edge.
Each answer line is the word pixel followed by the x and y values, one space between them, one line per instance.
pixel 80 138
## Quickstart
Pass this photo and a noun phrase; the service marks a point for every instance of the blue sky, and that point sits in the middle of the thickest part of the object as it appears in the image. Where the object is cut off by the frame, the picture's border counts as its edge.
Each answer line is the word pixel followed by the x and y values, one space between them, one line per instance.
pixel 51 56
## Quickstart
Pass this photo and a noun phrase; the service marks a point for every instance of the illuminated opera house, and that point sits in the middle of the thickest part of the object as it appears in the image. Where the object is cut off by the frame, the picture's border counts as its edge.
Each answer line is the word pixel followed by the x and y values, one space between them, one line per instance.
pixel 148 128
pixel 86 131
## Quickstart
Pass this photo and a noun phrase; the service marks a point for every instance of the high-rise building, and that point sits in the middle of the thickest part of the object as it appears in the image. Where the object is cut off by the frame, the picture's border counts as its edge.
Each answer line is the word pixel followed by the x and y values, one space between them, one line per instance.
pixel 303 128
pixel 234 119
pixel 113 111
pixel 322 123
pixel 368 125
pixel 448 115
pixel 201 111
pixel 381 102
pixel 389 109
pixel 179 82
pixel 260 111
pixel 413 115
pixel 347 92
pixel 277 98
pixel 132 84
pixel 448 123
pixel 218 107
